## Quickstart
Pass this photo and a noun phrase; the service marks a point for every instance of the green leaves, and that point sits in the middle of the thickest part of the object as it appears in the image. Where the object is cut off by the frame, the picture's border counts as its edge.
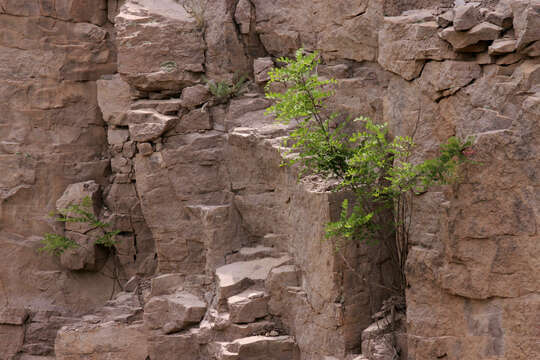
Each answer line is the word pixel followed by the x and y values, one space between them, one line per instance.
pixel 80 213
pixel 223 91
pixel 56 244
pixel 368 162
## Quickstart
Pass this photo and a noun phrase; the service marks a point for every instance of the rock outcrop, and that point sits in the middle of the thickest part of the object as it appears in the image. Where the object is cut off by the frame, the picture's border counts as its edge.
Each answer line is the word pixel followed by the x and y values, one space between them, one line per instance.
pixel 220 252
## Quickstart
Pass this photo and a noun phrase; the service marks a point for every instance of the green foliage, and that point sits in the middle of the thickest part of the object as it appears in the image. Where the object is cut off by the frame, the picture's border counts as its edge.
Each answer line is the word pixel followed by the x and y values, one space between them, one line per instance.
pixel 370 164
pixel 223 91
pixel 56 244
pixel 77 213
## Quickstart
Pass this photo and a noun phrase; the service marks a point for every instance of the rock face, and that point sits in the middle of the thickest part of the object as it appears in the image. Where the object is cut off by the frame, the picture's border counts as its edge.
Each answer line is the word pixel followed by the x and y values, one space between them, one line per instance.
pixel 219 252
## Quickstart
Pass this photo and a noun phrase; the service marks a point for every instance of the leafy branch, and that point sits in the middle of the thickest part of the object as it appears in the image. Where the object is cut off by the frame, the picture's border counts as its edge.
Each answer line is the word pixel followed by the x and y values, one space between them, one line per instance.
pixel 371 164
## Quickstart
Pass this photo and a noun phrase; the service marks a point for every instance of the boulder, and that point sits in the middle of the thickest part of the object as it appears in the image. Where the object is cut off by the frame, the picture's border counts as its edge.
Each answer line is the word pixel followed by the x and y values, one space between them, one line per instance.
pixel 148 125
pixel 466 16
pixel 113 95
pixel 502 46
pixel 194 95
pixel 526 21
pixel 261 66
pixel 75 194
pixel 110 340
pixel 234 278
pixel 163 49
pixel 248 306
pixel 172 313
pixel 461 40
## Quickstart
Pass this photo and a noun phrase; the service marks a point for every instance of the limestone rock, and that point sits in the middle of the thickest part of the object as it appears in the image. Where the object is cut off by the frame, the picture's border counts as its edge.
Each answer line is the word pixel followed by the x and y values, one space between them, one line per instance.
pixel 261 66
pixel 461 40
pixel 234 278
pixel 194 95
pixel 446 19
pixel 86 256
pixel 466 16
pixel 110 340
pixel 445 78
pixel 170 347
pixel 526 21
pixel 75 195
pixel 113 97
pixel 147 125
pixel 175 312
pixel 404 45
pixel 162 50
pixel 195 120
pixel 261 347
pixel 117 136
pixel 248 306
pixel 502 46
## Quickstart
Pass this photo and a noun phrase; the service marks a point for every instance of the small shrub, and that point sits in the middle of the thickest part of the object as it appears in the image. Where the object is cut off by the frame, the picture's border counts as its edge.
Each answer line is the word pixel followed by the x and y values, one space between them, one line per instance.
pixel 223 91
pixel 55 244
pixel 368 163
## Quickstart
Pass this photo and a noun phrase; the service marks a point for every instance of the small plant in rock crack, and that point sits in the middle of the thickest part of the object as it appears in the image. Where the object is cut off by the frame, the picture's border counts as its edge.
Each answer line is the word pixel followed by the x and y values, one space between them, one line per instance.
pixel 81 213
pixel 374 167
pixel 223 91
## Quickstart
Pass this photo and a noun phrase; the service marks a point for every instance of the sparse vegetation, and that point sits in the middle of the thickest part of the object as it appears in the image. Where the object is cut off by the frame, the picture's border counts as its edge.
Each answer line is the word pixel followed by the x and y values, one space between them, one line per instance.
pixel 376 168
pixel 223 91
pixel 81 213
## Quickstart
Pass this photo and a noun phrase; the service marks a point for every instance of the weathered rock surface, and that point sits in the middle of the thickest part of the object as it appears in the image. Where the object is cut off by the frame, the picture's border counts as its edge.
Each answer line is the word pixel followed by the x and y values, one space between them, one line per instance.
pixel 213 230
pixel 162 49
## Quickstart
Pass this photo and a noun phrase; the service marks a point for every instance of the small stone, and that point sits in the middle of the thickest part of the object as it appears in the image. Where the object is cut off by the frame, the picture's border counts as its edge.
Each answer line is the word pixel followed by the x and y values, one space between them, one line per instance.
pixel 195 95
pixel 446 19
pixel 466 17
pixel 461 40
pixel 145 148
pixel 261 66
pixel 502 46
pixel 273 333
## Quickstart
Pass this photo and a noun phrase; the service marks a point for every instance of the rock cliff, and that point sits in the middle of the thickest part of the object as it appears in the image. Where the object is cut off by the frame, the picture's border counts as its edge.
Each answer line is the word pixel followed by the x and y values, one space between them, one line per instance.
pixel 221 251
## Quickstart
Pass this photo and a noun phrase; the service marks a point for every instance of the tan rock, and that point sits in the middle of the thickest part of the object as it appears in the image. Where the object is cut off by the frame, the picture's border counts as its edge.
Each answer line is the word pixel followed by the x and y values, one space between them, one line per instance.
pixel 502 46
pixel 147 125
pixel 113 97
pixel 248 306
pixel 445 78
pixel 466 17
pixel 109 340
pixel 195 95
pixel 172 313
pixel 405 45
pixel 526 21
pixel 117 136
pixel 261 66
pixel 461 40
pixel 142 58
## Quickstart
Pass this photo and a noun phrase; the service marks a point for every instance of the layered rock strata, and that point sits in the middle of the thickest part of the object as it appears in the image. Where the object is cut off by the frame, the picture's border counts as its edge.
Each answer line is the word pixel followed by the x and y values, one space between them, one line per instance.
pixel 221 252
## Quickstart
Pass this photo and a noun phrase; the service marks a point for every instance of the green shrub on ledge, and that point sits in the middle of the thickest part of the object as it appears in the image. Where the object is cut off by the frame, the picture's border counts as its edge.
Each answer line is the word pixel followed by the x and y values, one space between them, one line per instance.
pixel 369 163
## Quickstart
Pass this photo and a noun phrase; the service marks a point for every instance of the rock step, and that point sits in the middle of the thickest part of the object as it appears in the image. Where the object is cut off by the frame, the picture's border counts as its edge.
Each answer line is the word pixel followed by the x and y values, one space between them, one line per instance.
pixel 239 276
pixel 253 253
pixel 262 348
pixel 248 306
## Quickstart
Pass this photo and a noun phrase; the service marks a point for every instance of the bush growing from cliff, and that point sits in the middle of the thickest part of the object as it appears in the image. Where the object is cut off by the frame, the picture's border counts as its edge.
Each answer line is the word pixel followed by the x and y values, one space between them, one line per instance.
pixel 56 244
pixel 375 167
